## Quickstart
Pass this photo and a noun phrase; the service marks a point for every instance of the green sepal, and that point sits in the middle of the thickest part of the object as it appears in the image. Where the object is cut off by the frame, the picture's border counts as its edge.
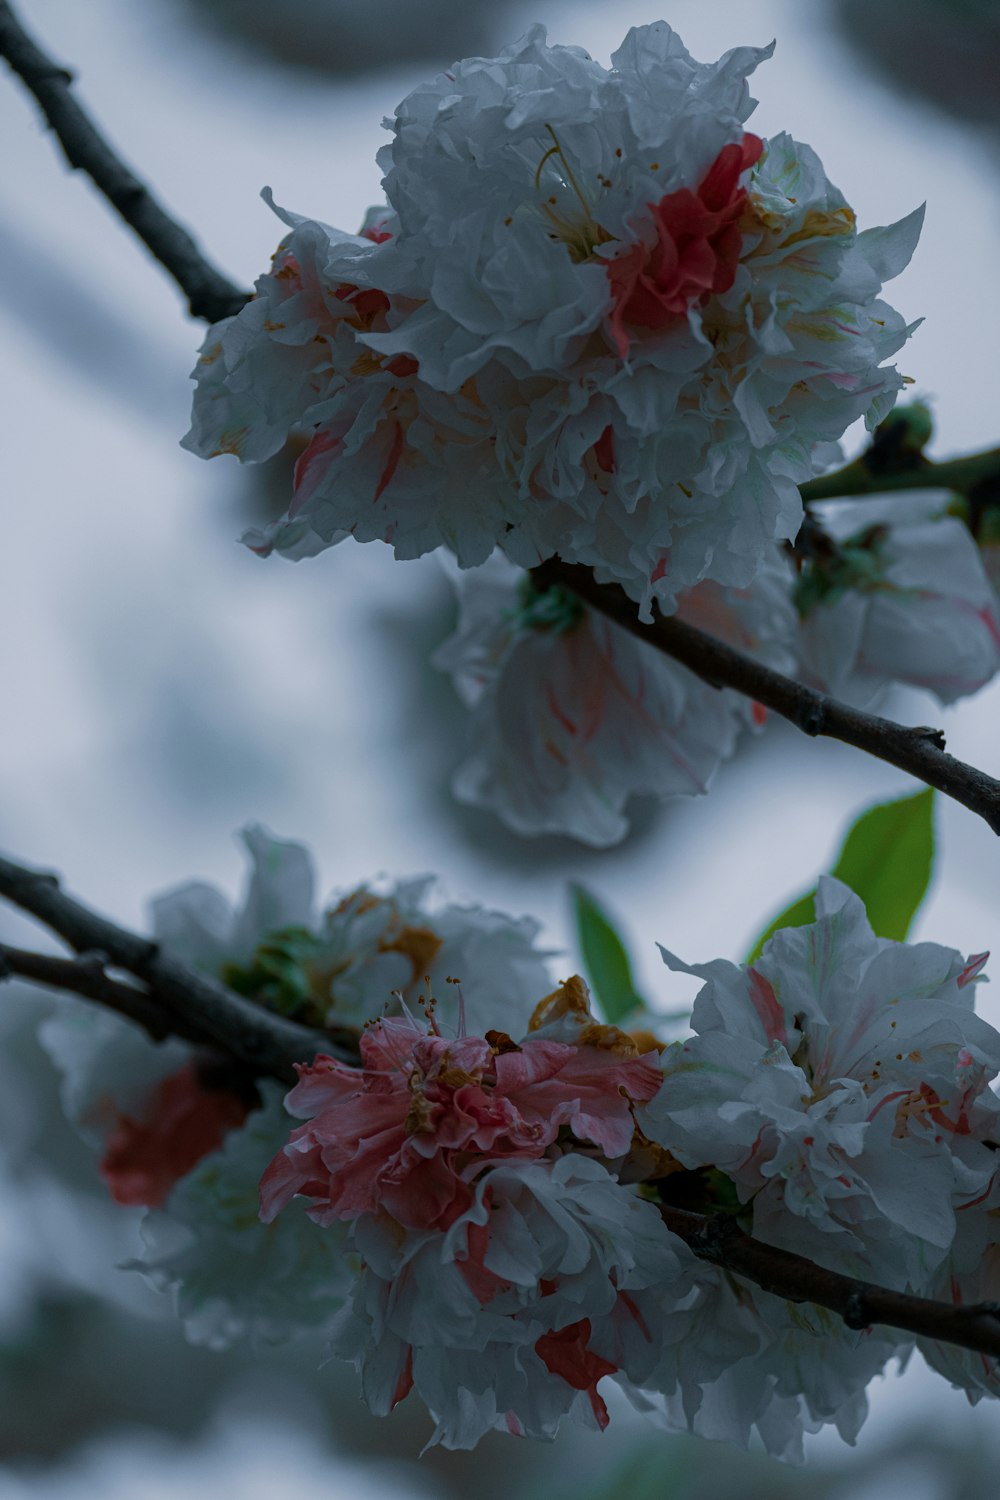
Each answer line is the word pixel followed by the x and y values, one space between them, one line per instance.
pixel 278 975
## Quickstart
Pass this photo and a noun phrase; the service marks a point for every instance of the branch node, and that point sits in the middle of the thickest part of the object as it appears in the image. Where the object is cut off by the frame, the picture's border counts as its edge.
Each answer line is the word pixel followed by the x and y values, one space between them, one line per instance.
pixel 55 74
pixel 813 717
pixel 711 1240
pixel 928 735
pixel 130 194
pixel 855 1313
pixel 93 961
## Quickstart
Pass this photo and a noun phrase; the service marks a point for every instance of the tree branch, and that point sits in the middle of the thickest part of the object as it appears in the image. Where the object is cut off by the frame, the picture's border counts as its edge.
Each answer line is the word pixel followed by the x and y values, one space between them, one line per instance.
pixel 719 1239
pixel 875 473
pixel 919 751
pixel 262 1041
pixel 88 976
pixel 210 295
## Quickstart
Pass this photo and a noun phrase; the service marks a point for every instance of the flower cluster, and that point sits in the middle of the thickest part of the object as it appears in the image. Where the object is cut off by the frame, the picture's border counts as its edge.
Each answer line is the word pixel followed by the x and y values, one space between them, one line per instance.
pixel 835 1096
pixel 598 317
pixel 480 1216
pixel 185 1134
pixel 840 1082
pixel 506 1268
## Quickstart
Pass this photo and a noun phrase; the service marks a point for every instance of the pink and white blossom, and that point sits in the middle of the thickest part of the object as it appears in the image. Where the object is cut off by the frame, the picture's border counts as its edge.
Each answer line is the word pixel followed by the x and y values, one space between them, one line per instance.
pixel 184 1139
pixel 599 318
pixel 403 1133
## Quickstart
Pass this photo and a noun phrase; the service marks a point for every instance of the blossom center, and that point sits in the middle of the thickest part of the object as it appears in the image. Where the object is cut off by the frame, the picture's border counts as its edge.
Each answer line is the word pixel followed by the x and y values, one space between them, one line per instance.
pixel 692 254
pixel 580 233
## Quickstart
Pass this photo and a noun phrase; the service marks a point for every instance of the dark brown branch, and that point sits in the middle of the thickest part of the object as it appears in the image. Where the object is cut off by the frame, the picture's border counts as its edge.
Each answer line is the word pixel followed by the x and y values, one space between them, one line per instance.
pixel 265 1043
pixel 720 1240
pixel 210 295
pixel 88 976
pixel 919 751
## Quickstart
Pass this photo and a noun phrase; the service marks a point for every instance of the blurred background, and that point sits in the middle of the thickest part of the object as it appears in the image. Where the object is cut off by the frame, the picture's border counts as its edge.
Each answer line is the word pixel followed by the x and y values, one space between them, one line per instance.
pixel 160 686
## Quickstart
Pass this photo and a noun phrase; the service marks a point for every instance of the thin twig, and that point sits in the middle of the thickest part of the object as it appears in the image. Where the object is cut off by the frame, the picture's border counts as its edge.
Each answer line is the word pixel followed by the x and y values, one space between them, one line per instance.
pixel 88 976
pixel 919 751
pixel 262 1041
pixel 210 294
pixel 720 1240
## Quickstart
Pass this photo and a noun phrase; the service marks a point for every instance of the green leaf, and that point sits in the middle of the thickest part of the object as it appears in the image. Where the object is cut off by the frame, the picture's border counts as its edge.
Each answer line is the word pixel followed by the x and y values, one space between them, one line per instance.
pixel 605 961
pixel 886 859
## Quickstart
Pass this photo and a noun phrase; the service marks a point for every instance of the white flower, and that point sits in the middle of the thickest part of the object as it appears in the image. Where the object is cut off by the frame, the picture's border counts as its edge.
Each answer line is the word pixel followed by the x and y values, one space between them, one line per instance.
pixel 971 1274
pixel 572 715
pixel 733 1362
pixel 753 1364
pixel 511 1317
pixel 599 319
pixel 558 1278
pixel 356 959
pixel 905 598
pixel 976 1374
pixel 197 925
pixel 233 1276
pixel 380 945
pixel 841 1083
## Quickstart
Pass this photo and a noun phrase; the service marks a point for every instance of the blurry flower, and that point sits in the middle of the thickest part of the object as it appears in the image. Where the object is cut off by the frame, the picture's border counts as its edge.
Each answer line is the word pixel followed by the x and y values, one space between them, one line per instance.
pixel 233 1276
pixel 360 956
pixel 572 715
pixel 903 599
pixel 599 318
pixel 186 1117
pixel 738 1365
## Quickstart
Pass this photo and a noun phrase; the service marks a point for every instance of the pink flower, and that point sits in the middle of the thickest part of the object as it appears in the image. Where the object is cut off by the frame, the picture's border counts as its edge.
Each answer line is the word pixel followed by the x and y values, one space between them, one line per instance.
pixel 404 1132
pixel 185 1121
